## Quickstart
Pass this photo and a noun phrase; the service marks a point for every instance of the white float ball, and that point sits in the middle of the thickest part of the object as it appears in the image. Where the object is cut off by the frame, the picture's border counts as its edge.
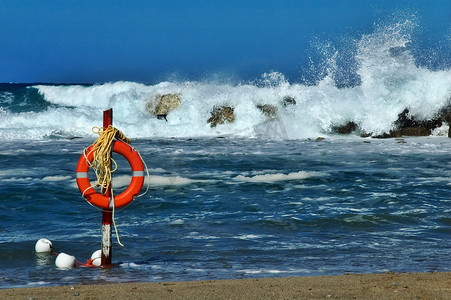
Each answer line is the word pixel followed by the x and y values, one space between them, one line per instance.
pixel 65 261
pixel 96 258
pixel 43 245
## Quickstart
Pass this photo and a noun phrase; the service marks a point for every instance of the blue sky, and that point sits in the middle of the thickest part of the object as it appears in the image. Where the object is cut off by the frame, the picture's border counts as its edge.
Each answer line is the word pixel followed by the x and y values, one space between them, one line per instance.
pixel 146 41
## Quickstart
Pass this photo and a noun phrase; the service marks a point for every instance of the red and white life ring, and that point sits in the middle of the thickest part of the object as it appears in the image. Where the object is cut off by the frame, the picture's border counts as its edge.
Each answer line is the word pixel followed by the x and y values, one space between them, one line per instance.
pixel 127 196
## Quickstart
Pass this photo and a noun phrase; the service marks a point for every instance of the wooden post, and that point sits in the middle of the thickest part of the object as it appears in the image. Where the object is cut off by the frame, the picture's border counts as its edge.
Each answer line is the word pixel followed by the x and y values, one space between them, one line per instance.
pixel 107 213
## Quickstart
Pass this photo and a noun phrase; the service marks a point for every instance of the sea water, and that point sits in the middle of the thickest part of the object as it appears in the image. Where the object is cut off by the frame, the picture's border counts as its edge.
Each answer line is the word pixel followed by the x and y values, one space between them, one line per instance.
pixel 254 198
pixel 233 208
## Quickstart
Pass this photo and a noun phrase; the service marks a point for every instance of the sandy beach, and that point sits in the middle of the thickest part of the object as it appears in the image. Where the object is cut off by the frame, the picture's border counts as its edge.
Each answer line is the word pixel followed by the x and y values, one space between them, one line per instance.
pixel 353 286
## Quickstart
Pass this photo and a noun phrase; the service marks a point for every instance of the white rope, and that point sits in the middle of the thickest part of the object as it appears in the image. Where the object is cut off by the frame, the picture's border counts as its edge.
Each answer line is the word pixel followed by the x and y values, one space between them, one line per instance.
pixel 147 172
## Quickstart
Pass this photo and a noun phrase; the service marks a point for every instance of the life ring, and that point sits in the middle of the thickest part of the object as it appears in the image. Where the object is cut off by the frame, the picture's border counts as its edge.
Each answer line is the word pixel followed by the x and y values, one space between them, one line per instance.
pixel 127 196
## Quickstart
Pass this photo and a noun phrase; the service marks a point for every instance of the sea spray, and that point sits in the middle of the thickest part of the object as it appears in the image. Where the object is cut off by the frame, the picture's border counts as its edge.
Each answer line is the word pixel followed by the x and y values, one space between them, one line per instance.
pixel 388 80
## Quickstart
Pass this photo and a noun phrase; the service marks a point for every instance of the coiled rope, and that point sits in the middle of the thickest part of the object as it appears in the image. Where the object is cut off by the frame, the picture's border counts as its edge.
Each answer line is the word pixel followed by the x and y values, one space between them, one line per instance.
pixel 102 150
pixel 103 161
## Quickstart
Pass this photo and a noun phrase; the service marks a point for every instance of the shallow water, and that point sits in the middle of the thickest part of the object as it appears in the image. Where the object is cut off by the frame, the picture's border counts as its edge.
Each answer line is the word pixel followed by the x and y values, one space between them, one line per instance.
pixel 233 208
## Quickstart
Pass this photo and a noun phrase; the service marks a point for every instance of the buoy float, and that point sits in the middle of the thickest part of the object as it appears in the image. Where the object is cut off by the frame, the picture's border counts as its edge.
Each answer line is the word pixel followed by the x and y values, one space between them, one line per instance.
pixel 127 196
pixel 96 258
pixel 65 261
pixel 43 245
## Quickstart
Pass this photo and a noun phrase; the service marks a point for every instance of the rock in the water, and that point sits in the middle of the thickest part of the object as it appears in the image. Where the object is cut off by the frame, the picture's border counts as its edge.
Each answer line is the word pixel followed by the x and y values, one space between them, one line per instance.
pixel 405 120
pixel 390 134
pixel 288 100
pixel 345 129
pixel 221 115
pixel 161 105
pixel 270 111
pixel 446 117
pixel 408 125
pixel 415 131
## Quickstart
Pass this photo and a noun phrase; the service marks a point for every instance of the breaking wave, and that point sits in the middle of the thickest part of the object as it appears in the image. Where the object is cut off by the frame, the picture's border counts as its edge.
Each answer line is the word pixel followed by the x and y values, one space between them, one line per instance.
pixel 388 80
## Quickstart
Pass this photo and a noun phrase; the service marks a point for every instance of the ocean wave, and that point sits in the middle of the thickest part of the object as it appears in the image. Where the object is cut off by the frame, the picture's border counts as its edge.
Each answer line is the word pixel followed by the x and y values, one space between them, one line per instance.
pixel 270 178
pixel 390 81
pixel 57 178
pixel 123 181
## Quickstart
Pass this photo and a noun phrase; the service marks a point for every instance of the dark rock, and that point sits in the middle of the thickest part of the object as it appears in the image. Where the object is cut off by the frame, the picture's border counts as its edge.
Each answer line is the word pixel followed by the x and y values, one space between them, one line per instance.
pixel 270 111
pixel 446 116
pixel 221 115
pixel 345 129
pixel 408 125
pixel 405 120
pixel 288 100
pixel 415 131
pixel 390 134
pixel 162 117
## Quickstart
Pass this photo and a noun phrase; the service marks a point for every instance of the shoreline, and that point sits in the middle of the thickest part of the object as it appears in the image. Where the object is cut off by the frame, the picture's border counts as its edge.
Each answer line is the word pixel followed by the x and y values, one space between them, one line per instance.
pixel 351 286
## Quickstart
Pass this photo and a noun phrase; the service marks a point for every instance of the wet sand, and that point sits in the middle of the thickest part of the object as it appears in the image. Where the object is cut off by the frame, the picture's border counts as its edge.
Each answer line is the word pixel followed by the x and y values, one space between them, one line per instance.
pixel 366 286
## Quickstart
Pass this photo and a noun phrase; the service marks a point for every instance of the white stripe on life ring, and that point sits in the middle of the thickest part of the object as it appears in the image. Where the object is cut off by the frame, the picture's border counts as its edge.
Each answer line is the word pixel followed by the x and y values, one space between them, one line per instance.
pixel 82 174
pixel 135 174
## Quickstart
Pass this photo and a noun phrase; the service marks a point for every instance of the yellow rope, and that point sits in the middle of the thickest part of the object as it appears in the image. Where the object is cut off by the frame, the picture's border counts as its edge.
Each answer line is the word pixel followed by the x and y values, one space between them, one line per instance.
pixel 102 150
pixel 102 162
pixel 114 222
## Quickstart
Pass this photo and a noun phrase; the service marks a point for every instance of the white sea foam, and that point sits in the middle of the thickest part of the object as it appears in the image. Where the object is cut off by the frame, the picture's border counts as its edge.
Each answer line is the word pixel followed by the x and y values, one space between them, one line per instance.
pixel 390 81
pixel 123 181
pixel 177 222
pixel 273 271
pixel 20 172
pixel 18 179
pixel 441 131
pixel 197 235
pixel 156 180
pixel 268 178
pixel 57 178
pixel 119 182
pixel 130 265
pixel 36 283
pixel 435 179
pixel 250 236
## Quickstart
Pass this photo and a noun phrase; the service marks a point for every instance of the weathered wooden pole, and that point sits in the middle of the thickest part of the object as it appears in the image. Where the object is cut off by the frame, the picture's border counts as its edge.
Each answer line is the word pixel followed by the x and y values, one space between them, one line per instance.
pixel 107 213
